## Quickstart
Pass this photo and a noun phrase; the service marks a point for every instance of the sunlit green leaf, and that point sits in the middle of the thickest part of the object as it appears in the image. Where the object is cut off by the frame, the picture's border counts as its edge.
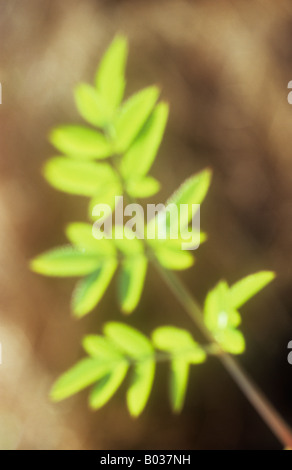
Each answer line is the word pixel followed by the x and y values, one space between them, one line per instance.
pixel 143 187
pixel 221 318
pixel 139 158
pixel 192 239
pixel 107 386
pixel 81 142
pixel 65 261
pixel 83 374
pixel 127 242
pixel 110 79
pixel 131 282
pixel 90 290
pixel 129 340
pixel 81 235
pixel 162 227
pixel 171 256
pixel 178 342
pixel 192 191
pixel 78 177
pixel 100 347
pixel 179 375
pixel 140 387
pixel 137 346
pixel 231 340
pixel 133 115
pixel 91 105
pixel 184 350
pixel 219 312
pixel 243 290
pixel 105 195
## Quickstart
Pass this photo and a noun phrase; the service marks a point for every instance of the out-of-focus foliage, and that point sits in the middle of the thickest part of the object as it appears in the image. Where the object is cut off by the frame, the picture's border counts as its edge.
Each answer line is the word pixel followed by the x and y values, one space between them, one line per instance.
pixel 130 133
pixel 124 348
pixel 221 309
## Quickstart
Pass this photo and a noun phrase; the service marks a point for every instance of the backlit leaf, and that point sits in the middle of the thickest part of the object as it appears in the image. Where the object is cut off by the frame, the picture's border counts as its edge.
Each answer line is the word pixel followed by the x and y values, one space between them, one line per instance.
pixel 243 290
pixel 127 242
pixel 139 158
pixel 100 347
pixel 219 312
pixel 90 290
pixel 78 177
pixel 136 345
pixel 91 105
pixel 184 350
pixel 131 282
pixel 110 79
pixel 129 340
pixel 171 256
pixel 231 340
pixel 178 342
pixel 65 261
pixel 81 142
pixel 83 374
pixel 143 187
pixel 81 235
pixel 192 191
pixel 105 195
pixel 133 115
pixel 107 386
pixel 178 383
pixel 140 387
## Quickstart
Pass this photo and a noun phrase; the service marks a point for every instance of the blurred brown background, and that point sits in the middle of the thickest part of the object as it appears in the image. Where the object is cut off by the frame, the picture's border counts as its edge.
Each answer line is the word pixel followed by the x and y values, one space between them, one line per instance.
pixel 224 68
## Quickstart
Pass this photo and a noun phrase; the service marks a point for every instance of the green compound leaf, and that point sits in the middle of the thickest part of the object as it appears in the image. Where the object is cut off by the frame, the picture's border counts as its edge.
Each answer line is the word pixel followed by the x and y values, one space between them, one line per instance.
pixel 192 239
pixel 137 346
pixel 110 77
pixel 163 228
pixel 90 290
pixel 133 268
pixel 132 116
pixel 78 177
pixel 140 386
pixel 245 289
pixel 184 350
pixel 81 235
pixel 105 195
pixel 100 347
pixel 143 187
pixel 219 312
pixel 178 384
pixel 83 374
pixel 80 142
pixel 171 256
pixel 192 191
pixel 231 340
pixel 108 386
pixel 127 242
pixel 129 340
pixel 141 155
pixel 131 282
pixel 65 261
pixel 178 342
pixel 92 106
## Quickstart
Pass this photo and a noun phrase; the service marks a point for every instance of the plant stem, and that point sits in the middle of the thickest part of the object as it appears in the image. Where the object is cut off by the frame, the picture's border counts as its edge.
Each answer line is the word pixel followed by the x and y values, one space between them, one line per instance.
pixel 264 408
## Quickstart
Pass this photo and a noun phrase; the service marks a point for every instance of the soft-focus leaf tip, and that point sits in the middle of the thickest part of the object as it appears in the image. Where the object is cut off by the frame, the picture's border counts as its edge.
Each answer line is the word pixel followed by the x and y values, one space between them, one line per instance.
pixel 54 395
pixel 134 412
pixel 33 265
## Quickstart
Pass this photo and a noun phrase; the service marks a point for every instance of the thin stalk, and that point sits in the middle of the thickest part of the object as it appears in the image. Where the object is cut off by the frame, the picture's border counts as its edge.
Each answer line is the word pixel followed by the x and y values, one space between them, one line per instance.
pixel 261 404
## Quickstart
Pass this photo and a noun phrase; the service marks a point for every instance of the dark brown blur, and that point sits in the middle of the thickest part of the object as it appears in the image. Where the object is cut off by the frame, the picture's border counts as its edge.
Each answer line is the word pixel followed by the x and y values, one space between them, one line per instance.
pixel 224 67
